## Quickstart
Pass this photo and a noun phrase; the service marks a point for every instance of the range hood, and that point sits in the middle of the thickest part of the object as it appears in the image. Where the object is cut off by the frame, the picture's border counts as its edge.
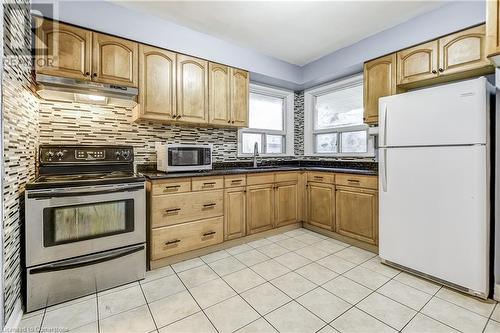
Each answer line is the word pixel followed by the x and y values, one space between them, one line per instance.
pixel 54 88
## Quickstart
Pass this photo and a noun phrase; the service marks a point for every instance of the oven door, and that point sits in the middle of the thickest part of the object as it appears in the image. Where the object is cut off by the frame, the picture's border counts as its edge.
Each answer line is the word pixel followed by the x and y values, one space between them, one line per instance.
pixel 69 222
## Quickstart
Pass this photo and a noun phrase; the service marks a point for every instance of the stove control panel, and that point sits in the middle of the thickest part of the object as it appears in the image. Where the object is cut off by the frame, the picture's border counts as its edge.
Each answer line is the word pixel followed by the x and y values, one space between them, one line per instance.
pixel 52 154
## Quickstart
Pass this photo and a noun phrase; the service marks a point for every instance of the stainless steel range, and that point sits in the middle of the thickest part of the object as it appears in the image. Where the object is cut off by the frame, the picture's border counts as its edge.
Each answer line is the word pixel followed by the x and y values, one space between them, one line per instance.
pixel 85 223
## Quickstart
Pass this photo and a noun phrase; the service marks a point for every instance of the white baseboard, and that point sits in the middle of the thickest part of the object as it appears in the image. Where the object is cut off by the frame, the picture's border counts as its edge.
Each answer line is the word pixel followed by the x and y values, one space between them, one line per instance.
pixel 16 316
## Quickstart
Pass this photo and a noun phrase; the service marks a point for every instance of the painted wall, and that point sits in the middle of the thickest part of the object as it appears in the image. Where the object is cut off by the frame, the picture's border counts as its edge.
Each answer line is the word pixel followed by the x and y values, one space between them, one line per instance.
pixel 111 18
pixel 114 19
pixel 449 18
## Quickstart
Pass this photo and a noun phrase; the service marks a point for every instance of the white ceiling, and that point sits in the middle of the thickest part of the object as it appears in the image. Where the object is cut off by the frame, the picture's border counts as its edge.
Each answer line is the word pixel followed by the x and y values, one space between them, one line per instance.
pixel 297 32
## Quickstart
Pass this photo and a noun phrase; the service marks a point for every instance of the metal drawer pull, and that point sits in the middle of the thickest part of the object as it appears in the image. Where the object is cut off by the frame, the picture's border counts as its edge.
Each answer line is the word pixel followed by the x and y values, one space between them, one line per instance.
pixel 210 233
pixel 209 205
pixel 236 181
pixel 172 210
pixel 209 184
pixel 353 181
pixel 318 177
pixel 172 242
pixel 172 188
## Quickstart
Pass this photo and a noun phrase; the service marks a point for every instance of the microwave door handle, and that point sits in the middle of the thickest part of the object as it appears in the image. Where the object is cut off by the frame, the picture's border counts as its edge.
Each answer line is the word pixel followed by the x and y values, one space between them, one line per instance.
pixel 82 262
pixel 61 194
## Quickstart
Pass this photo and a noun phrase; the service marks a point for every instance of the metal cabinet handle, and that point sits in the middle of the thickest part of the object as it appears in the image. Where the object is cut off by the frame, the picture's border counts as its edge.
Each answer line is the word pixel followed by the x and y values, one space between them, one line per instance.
pixel 171 210
pixel 94 75
pixel 318 177
pixel 229 121
pixel 353 181
pixel 171 188
pixel 236 181
pixel 172 242
pixel 210 205
pixel 434 71
pixel 87 73
pixel 209 233
pixel 211 184
pixel 441 70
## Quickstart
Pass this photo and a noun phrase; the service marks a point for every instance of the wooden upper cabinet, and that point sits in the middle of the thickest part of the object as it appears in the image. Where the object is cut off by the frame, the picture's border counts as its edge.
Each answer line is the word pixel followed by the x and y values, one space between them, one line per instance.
pixel 357 214
pixel 63 50
pixel 115 60
pixel 379 81
pixel 463 51
pixel 219 111
pixel 239 97
pixel 260 208
pixel 157 74
pixel 418 63
pixel 493 28
pixel 285 204
pixel 234 213
pixel 321 205
pixel 192 89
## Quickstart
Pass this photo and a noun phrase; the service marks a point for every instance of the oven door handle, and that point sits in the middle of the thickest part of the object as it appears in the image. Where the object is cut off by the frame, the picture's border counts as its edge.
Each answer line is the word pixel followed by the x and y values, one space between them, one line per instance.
pixel 86 261
pixel 61 194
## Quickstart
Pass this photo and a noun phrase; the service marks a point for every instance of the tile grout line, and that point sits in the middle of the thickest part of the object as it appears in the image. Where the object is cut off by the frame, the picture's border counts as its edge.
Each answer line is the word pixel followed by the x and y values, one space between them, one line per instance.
pixel 194 299
pixel 147 304
pixel 423 306
pixel 99 319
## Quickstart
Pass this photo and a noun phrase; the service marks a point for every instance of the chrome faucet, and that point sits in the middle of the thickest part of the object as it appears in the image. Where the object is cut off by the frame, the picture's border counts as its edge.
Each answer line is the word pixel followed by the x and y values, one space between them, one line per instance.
pixel 255 154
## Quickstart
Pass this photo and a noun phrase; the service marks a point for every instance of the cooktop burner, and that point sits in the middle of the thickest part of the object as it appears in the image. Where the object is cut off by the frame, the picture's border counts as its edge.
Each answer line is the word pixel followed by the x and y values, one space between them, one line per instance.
pixel 85 176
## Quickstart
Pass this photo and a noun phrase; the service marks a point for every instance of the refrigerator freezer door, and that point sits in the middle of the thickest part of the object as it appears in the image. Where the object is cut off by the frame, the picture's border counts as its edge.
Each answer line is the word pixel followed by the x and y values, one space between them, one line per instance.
pixel 452 114
pixel 434 212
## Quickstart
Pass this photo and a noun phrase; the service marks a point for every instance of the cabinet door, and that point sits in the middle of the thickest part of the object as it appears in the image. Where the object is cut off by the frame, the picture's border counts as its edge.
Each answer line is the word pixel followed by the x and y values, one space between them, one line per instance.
pixel 239 97
pixel 219 111
pixel 62 50
pixel 357 214
pixel 156 83
pixel 115 60
pixel 321 205
pixel 463 51
pixel 260 208
pixel 234 213
pixel 492 28
pixel 192 89
pixel 285 204
pixel 379 81
pixel 418 63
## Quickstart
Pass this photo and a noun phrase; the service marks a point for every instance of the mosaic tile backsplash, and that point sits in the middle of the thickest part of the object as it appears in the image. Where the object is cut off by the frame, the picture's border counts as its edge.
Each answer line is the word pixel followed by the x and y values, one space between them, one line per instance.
pixel 20 136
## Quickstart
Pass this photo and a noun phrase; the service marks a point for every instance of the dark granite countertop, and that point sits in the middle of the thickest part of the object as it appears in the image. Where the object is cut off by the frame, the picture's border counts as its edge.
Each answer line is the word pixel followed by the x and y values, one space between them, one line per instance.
pixel 234 168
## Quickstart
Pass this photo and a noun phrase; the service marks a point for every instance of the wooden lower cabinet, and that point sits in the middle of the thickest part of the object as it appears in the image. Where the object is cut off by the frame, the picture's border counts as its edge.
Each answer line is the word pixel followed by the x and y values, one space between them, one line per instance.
pixel 321 205
pixel 234 212
pixel 357 213
pixel 260 208
pixel 176 239
pixel 285 204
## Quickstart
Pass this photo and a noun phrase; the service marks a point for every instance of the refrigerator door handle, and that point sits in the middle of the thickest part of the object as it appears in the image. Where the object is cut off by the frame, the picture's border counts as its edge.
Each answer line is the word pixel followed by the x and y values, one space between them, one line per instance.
pixel 383 169
pixel 384 125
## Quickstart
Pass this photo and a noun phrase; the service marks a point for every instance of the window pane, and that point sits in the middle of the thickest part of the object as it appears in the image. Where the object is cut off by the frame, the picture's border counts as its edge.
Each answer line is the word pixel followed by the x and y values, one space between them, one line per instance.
pixel 354 142
pixel 274 144
pixel 266 112
pixel 249 140
pixel 326 143
pixel 340 108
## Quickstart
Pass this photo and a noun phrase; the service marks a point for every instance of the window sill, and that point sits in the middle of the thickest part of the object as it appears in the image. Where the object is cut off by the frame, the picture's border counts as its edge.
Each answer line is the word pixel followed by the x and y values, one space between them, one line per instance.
pixel 265 155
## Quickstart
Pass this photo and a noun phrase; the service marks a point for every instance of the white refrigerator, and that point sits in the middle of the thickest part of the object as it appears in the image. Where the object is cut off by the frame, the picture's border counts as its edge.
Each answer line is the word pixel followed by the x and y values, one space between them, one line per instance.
pixel 434 174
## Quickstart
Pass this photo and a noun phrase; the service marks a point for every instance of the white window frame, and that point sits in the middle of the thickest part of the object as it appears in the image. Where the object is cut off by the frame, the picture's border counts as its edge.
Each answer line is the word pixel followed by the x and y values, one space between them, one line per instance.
pixel 310 118
pixel 288 121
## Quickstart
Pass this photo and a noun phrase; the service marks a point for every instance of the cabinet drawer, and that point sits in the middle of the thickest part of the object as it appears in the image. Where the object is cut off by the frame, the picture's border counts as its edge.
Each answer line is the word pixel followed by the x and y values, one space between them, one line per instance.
pixel 185 237
pixel 235 181
pixel 357 180
pixel 207 183
pixel 184 207
pixel 260 178
pixel 321 177
pixel 167 186
pixel 286 177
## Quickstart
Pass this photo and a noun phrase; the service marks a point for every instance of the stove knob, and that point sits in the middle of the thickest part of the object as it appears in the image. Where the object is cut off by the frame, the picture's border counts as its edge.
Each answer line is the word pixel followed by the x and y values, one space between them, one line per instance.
pixel 49 155
pixel 60 154
pixel 126 154
pixel 118 154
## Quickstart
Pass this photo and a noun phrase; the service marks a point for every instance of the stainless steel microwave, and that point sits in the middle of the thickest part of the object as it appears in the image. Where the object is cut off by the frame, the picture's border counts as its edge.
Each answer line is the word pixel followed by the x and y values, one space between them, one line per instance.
pixel 183 157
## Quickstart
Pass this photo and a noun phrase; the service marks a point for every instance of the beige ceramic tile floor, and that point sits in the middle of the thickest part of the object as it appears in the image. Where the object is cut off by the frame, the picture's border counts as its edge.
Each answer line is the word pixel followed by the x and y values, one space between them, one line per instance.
pixel 298 281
